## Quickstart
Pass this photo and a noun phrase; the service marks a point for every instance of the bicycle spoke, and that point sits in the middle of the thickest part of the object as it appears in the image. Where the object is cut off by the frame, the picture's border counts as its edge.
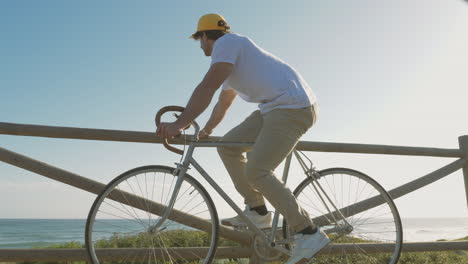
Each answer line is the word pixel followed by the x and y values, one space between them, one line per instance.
pixel 126 213
pixel 143 195
pixel 128 226
pixel 342 189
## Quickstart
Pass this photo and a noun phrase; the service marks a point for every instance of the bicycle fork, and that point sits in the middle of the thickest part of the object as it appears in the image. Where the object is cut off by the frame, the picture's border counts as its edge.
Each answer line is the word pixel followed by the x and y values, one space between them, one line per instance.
pixel 180 172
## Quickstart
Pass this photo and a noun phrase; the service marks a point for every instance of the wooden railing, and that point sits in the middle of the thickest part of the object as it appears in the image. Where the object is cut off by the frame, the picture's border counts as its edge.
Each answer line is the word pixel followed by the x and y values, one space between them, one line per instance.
pixel 243 238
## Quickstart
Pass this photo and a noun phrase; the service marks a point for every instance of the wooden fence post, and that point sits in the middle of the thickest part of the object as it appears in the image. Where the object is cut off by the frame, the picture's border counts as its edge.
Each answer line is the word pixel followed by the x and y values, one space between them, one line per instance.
pixel 463 142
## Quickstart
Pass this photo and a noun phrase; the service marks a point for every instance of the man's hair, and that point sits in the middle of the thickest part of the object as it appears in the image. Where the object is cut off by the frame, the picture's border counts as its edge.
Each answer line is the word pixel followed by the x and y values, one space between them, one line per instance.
pixel 211 34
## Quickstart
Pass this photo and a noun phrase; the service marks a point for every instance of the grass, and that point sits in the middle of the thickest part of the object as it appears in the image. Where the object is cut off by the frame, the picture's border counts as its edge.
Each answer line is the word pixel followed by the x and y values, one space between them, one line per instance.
pixel 177 238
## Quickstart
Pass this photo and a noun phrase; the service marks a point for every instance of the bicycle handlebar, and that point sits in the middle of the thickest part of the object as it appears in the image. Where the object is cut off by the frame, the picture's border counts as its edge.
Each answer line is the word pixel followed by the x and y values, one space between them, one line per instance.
pixel 174 108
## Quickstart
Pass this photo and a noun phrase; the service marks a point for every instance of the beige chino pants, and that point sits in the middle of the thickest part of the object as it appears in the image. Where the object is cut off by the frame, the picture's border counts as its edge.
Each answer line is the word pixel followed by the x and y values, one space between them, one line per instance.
pixel 275 134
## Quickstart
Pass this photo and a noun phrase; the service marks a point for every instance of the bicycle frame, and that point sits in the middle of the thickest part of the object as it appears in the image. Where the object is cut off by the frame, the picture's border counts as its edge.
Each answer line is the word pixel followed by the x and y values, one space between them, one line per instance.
pixel 182 169
pixel 269 240
pixel 189 160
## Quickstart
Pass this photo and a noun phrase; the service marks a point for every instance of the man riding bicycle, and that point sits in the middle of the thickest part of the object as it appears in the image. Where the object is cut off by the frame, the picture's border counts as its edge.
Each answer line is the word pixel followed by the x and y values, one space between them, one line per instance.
pixel 287 109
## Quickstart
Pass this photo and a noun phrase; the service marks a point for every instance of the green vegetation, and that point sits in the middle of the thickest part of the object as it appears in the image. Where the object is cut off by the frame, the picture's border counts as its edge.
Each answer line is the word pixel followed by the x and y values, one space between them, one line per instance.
pixel 173 238
pixel 178 238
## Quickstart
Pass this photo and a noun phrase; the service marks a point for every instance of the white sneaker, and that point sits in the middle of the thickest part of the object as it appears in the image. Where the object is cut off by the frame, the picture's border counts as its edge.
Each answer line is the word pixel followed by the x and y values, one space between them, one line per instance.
pixel 261 221
pixel 307 246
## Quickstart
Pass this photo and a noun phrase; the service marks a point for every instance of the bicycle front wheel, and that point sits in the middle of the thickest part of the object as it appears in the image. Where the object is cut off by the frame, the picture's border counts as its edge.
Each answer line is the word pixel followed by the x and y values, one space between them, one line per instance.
pixel 125 223
pixel 356 212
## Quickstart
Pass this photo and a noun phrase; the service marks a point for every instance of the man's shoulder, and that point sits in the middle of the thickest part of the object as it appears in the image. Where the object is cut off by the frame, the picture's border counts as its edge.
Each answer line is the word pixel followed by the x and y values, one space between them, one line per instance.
pixel 232 35
pixel 232 38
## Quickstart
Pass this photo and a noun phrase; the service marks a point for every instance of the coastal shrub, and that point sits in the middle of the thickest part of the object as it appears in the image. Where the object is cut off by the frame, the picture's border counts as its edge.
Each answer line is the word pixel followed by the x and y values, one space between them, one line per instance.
pixel 182 238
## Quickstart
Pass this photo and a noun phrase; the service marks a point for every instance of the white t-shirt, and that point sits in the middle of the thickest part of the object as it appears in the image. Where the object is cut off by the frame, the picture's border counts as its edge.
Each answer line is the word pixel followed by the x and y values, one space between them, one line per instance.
pixel 259 76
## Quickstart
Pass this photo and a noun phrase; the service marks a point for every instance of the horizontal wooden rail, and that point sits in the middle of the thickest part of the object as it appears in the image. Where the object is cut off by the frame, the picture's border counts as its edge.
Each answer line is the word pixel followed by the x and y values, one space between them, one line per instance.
pixel 115 254
pixel 149 137
pixel 222 252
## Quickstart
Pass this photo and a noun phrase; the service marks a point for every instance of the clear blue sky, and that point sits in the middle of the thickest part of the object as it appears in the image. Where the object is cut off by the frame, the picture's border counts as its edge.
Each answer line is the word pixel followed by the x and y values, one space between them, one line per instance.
pixel 385 72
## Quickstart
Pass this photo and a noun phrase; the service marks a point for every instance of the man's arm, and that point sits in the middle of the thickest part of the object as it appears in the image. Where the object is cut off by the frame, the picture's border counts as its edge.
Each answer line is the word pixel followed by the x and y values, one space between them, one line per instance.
pixel 226 97
pixel 204 92
pixel 199 100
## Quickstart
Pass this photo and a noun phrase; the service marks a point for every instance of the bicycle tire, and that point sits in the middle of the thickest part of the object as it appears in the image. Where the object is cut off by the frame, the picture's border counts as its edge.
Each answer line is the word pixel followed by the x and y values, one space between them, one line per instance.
pixel 369 226
pixel 174 241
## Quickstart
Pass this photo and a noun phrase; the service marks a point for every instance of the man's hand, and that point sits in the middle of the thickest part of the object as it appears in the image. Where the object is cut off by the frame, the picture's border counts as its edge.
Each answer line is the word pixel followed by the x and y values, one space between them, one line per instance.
pixel 204 134
pixel 169 130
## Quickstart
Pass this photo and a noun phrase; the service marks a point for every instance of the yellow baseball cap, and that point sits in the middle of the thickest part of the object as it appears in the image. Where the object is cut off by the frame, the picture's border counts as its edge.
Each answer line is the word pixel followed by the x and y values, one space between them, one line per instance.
pixel 211 22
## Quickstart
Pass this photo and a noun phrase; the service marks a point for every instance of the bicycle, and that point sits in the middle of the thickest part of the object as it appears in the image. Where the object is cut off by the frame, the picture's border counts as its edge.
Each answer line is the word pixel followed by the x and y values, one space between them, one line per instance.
pixel 172 218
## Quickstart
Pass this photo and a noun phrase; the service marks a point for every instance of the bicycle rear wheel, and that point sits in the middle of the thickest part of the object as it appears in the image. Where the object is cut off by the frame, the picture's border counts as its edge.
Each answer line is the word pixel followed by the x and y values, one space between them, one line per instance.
pixel 366 228
pixel 125 225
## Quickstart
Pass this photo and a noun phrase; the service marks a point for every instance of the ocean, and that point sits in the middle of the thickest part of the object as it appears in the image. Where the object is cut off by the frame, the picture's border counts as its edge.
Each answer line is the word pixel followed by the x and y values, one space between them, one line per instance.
pixel 30 233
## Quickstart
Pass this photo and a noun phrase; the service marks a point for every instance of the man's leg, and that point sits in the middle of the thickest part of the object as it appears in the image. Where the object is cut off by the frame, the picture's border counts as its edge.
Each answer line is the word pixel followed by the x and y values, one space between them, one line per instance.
pixel 235 161
pixel 281 130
